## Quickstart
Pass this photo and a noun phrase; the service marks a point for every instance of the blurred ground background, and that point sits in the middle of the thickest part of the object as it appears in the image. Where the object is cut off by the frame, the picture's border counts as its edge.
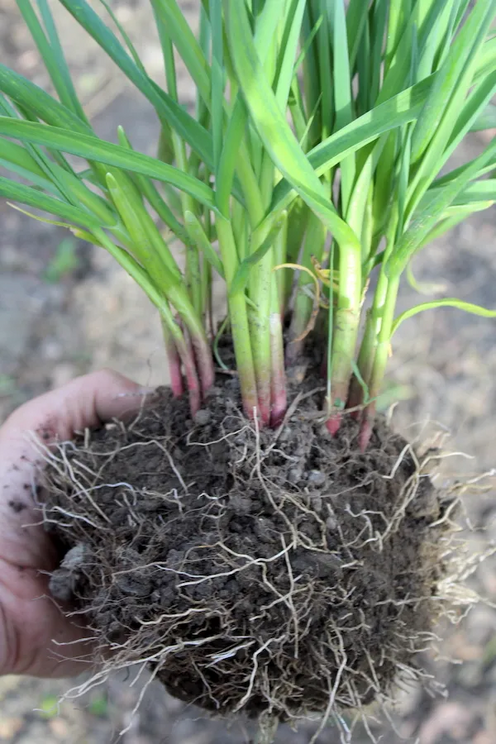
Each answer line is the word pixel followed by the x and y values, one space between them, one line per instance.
pixel 66 309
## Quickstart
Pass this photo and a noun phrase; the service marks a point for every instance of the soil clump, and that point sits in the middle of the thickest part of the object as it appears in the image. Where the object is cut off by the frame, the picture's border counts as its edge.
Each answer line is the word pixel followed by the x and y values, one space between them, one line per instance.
pixel 276 572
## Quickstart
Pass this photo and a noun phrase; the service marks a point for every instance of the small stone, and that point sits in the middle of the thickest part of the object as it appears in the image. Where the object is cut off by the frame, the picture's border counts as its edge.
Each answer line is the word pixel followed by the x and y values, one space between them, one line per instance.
pixel 202 417
pixel 75 557
pixel 316 478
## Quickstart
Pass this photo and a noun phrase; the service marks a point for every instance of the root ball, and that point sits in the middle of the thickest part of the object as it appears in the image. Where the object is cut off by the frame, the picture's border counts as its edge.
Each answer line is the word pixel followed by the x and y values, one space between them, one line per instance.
pixel 276 572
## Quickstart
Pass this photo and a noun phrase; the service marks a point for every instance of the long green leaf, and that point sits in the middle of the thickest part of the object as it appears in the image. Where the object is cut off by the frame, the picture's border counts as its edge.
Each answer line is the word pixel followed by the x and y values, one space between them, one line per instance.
pixel 167 108
pixel 425 219
pixel 467 307
pixel 30 96
pixel 92 148
pixel 34 198
pixel 186 44
pixel 272 125
pixel 392 114
pixel 485 120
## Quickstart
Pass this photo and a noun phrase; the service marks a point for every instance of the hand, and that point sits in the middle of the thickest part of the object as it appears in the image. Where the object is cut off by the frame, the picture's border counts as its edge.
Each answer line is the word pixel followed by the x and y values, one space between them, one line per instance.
pixel 32 626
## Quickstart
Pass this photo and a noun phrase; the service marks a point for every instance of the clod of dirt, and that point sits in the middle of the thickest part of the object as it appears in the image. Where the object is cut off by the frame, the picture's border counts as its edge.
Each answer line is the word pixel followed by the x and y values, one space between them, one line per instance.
pixel 276 572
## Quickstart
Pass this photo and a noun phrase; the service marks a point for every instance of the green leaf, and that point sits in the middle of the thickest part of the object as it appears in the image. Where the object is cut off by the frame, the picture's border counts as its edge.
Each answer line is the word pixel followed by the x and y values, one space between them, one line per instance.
pixel 92 148
pixel 27 195
pixel 243 273
pixel 273 128
pixel 186 44
pixel 394 113
pixel 426 218
pixel 467 307
pixel 485 120
pixel 28 95
pixel 436 118
pixel 197 234
pixel 168 110
pixel 52 54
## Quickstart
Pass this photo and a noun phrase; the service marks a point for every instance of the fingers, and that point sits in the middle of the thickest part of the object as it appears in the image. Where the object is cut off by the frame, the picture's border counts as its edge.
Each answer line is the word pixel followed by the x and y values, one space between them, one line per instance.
pixel 84 402
pixel 35 636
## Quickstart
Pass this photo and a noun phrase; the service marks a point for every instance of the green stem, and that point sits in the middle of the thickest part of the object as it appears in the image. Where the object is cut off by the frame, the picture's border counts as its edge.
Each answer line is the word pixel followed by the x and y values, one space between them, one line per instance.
pixel 345 331
pixel 303 306
pixel 381 358
pixel 239 319
pixel 174 361
pixel 366 357
pixel 278 375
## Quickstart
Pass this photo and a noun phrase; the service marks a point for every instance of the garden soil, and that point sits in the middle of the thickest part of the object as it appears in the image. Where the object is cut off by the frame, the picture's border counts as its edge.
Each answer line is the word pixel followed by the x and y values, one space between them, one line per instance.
pixel 257 571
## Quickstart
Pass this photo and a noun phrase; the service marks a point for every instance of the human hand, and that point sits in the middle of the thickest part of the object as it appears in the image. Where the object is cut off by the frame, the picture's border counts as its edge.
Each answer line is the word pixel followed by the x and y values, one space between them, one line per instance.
pixel 32 626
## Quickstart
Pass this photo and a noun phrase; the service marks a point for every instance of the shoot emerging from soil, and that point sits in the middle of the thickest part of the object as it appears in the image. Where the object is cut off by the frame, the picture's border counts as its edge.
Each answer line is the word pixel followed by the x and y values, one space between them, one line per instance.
pixel 310 166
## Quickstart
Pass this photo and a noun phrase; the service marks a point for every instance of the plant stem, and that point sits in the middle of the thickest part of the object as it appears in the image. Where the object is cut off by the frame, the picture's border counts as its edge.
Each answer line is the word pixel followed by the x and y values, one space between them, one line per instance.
pixel 278 376
pixel 174 361
pixel 303 304
pixel 345 331
pixel 239 320
pixel 380 360
pixel 373 323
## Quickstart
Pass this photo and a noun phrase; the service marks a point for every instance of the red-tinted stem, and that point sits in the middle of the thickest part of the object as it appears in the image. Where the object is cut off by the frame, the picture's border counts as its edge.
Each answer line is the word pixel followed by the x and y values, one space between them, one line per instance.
pixel 174 362
pixel 278 376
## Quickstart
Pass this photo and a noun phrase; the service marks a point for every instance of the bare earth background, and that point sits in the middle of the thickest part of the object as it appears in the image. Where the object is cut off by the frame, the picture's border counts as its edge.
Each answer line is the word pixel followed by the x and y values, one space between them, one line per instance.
pixel 66 309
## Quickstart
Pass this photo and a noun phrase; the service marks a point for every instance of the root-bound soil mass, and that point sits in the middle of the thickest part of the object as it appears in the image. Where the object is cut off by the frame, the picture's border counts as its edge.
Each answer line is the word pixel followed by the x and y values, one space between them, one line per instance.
pixel 273 571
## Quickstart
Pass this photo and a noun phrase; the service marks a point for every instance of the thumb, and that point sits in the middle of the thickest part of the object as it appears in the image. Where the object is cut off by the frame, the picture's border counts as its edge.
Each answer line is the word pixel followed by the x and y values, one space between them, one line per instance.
pixel 85 402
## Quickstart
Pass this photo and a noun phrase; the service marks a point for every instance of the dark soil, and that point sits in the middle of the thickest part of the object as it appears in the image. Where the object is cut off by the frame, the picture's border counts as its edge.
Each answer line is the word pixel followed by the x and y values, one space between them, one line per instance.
pixel 258 571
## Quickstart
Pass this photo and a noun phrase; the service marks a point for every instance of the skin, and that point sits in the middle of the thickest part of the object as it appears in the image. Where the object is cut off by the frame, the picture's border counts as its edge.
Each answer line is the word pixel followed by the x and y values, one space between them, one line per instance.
pixel 32 625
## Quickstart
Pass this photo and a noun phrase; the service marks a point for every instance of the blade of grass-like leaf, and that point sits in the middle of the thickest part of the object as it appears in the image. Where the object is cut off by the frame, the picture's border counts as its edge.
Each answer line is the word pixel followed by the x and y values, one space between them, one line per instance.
pixel 18 157
pixel 396 112
pixel 51 51
pixel 467 307
pixel 363 101
pixel 451 218
pixel 198 235
pixel 129 44
pixel 461 11
pixel 474 106
pixel 377 32
pixel 27 94
pixel 186 44
pixel 356 18
pixel 287 52
pixel 451 75
pixel 217 103
pixel 399 70
pixel 32 197
pixel 477 191
pixel 243 272
pixel 92 148
pixel 311 82
pixel 323 40
pixel 485 120
pixel 399 13
pixel 273 127
pixel 168 110
pixel 343 101
pixel 149 190
pixel 486 60
pixel 425 219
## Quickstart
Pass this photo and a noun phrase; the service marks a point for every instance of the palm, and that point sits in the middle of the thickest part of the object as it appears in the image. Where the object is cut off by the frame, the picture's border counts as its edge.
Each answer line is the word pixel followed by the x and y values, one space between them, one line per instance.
pixel 35 636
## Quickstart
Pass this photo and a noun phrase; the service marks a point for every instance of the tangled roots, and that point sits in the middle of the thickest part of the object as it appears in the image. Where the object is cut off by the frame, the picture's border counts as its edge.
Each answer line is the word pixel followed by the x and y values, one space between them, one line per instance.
pixel 276 573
